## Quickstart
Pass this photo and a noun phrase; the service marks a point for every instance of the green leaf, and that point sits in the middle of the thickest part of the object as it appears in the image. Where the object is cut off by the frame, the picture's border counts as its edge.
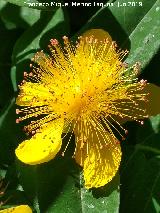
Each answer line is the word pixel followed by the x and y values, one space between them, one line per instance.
pixel 146 37
pixel 41 5
pixel 2 4
pixel 13 193
pixel 21 3
pixel 130 13
pixel 7 41
pixel 14 16
pixel 155 123
pixel 118 21
pixel 152 76
pixel 57 185
pixel 104 199
pixel 149 140
pixel 7 38
pixel 140 179
pixel 133 27
pixel 140 174
pixel 45 183
pixel 50 25
pixel 13 198
pixel 10 133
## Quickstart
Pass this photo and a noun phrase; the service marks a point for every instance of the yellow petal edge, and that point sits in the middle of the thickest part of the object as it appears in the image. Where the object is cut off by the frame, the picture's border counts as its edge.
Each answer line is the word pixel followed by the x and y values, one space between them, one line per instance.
pixel 17 209
pixel 43 146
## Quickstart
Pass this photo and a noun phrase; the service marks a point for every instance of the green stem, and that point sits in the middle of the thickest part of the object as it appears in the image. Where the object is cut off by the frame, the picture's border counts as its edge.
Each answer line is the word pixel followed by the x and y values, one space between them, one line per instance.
pixel 147 148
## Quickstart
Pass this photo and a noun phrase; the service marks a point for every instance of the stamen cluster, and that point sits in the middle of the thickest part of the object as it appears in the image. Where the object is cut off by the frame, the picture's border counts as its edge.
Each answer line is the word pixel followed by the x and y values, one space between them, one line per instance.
pixel 85 83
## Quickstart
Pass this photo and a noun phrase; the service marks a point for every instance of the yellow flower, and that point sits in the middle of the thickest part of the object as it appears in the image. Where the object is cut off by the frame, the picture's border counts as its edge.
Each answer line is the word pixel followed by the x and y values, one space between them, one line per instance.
pixel 81 88
pixel 17 209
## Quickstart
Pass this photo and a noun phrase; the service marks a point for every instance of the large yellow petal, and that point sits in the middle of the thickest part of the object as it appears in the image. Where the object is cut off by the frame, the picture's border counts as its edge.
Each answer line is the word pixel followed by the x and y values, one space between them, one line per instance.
pixel 147 108
pixel 43 146
pixel 18 209
pixel 100 156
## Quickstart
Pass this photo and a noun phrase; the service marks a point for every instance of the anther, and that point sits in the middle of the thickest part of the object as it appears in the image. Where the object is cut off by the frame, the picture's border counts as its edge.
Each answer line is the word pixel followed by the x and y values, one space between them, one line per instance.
pixel 17 111
pixel 141 122
pixel 106 41
pixel 25 74
pixel 90 40
pixel 143 82
pixel 123 138
pixel 113 45
pixel 65 38
pixel 125 64
pixel 33 132
pixel 126 131
pixel 17 121
pixel 54 42
pixel 137 67
pixel 126 51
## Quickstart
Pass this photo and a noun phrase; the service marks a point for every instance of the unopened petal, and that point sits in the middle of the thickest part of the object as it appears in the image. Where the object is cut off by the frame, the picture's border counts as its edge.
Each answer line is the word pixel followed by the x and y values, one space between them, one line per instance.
pixel 18 209
pixel 43 146
pixel 98 34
